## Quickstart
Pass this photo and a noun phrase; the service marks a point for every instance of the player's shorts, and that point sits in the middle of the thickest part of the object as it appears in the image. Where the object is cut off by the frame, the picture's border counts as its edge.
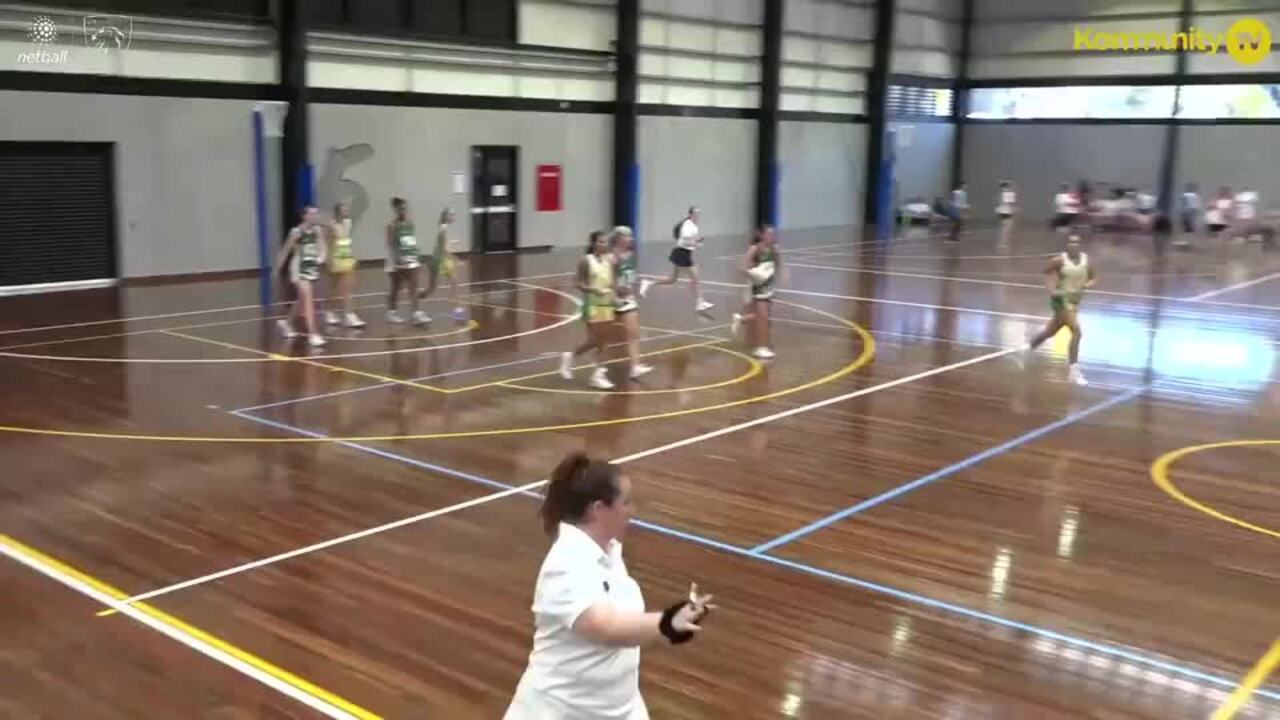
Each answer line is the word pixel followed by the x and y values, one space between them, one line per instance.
pixel 299 271
pixel 342 266
pixel 681 257
pixel 594 312
pixel 448 266
pixel 1063 303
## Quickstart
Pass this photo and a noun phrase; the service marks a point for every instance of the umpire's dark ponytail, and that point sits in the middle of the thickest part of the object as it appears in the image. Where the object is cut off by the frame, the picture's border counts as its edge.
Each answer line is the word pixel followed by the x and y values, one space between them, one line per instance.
pixel 577 482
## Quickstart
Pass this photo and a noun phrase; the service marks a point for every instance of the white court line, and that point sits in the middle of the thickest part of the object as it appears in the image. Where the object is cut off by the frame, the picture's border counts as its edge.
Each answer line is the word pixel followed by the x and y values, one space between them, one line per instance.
pixel 532 486
pixel 812 406
pixel 173 633
pixel 882 301
pixel 1091 291
pixel 274 357
pixel 663 335
pixel 327 544
pixel 187 313
pixel 891 256
pixel 1237 286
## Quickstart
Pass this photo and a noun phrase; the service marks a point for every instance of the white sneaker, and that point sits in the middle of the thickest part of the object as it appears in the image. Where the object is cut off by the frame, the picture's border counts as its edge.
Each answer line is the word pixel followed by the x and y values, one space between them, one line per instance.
pixel 1075 376
pixel 421 318
pixel 286 330
pixel 600 381
pixel 317 341
pixel 735 326
pixel 764 353
pixel 395 318
pixel 644 287
pixel 566 366
pixel 331 318
pixel 354 321
pixel 640 370
pixel 704 306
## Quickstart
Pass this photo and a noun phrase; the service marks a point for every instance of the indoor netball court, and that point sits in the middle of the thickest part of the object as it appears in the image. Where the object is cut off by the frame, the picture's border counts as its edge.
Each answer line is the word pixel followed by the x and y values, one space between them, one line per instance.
pixel 897 516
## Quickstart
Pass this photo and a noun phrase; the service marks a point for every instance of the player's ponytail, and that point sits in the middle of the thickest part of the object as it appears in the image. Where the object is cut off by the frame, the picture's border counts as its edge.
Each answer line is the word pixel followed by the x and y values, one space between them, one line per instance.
pixel 577 482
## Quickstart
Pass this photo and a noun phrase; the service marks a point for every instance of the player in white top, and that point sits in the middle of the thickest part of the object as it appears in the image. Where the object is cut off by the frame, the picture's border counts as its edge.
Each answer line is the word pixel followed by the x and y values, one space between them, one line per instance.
pixel 1006 208
pixel 1248 222
pixel 1067 277
pixel 688 238
pixel 1218 217
pixel 1066 208
pixel 589 613
pixel 1191 209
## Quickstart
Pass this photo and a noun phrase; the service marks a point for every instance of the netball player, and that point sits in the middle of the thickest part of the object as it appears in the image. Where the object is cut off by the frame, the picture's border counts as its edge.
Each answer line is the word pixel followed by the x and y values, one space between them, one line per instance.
pixel 595 280
pixel 1067 277
pixel 688 238
pixel 342 269
pixel 403 263
pixel 761 266
pixel 625 307
pixel 304 253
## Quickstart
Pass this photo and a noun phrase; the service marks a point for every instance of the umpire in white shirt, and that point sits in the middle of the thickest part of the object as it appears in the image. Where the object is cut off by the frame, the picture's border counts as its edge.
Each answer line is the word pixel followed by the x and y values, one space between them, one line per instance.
pixel 589 615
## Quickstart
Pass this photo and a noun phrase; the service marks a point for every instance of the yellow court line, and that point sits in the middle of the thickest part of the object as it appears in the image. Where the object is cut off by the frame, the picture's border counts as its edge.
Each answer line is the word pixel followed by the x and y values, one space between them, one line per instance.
pixel 305 361
pixel 299 684
pixel 1250 684
pixel 1160 474
pixel 754 368
pixel 864 357
pixel 549 373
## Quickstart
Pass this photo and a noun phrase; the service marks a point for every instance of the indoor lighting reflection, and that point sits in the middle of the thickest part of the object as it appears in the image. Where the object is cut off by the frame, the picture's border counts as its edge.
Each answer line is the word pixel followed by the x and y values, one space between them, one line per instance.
pixel 901 635
pixel 1000 572
pixel 1067 532
pixel 1189 352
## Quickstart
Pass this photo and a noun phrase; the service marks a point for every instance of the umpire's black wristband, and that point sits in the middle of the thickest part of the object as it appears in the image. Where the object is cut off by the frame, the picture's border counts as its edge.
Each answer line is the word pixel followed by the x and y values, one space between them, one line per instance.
pixel 668 630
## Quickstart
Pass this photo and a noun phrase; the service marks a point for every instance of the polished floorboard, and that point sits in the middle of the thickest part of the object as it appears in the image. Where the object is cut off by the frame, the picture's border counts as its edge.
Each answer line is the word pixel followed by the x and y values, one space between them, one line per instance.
pixel 900 517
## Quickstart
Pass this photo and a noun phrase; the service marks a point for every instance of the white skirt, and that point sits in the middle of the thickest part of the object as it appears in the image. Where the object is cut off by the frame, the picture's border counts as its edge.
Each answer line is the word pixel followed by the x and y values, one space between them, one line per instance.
pixel 531 704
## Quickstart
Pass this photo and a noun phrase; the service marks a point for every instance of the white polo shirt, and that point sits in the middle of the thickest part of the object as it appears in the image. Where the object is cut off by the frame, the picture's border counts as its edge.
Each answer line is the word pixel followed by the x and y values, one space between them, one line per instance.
pixel 689 234
pixel 570 677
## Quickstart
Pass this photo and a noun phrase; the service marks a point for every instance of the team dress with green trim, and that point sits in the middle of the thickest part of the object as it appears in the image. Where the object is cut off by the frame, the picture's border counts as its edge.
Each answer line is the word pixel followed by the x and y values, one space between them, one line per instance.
pixel 1072 278
pixel 306 260
pixel 405 249
pixel 765 261
pixel 624 298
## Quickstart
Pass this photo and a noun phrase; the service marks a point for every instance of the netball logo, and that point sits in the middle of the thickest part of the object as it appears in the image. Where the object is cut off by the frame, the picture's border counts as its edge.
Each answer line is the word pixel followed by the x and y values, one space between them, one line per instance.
pixel 106 33
pixel 43 30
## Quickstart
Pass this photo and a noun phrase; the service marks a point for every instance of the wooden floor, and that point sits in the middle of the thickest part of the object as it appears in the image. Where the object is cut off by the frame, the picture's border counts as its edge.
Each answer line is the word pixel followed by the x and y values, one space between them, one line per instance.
pixel 899 519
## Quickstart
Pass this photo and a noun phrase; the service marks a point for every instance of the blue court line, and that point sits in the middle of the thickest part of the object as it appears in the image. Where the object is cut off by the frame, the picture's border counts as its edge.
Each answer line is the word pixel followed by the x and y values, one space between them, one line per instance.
pixel 946 471
pixel 421 464
pixel 904 595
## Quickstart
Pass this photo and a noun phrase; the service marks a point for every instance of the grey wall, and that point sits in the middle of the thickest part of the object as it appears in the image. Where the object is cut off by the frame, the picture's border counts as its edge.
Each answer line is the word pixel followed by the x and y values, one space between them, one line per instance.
pixel 1039 157
pixel 823 172
pixel 708 162
pixel 924 168
pixel 1236 155
pixel 184 173
pixel 412 152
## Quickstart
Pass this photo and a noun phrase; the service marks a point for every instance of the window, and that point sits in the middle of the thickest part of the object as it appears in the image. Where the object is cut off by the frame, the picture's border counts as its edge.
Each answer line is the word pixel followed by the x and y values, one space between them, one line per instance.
pixel 1252 102
pixel 1090 101
pixel 914 101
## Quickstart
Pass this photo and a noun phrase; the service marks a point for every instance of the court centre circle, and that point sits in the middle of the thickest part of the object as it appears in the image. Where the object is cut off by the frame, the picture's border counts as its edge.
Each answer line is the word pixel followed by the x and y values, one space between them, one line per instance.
pixel 864 357
pixel 1160 473
pixel 754 368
